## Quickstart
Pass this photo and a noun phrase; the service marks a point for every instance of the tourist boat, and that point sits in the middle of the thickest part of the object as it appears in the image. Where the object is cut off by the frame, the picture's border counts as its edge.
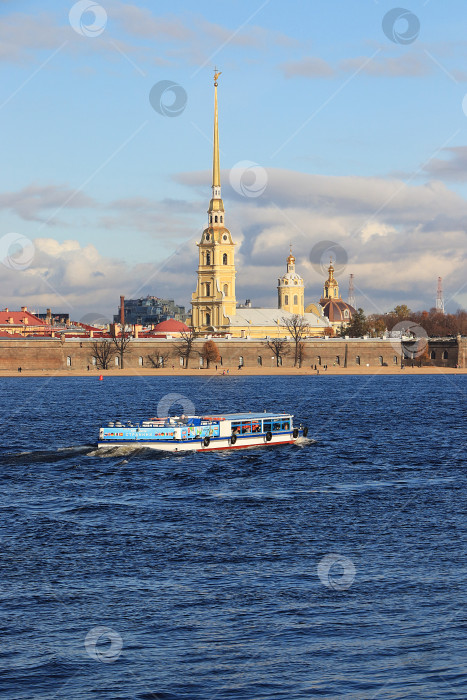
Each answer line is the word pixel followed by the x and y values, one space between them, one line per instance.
pixel 201 433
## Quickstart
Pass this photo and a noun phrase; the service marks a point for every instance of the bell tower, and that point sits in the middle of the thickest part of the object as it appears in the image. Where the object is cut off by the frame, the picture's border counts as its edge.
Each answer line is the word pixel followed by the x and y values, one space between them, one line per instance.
pixel 214 300
pixel 331 286
pixel 290 289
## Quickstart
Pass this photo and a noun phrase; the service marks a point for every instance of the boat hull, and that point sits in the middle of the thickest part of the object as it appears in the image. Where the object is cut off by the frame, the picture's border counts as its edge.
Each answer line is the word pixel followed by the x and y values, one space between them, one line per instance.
pixel 219 443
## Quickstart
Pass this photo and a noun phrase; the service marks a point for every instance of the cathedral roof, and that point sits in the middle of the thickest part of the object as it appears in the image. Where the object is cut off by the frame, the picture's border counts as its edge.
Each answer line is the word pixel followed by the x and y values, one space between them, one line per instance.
pixel 334 310
pixel 271 317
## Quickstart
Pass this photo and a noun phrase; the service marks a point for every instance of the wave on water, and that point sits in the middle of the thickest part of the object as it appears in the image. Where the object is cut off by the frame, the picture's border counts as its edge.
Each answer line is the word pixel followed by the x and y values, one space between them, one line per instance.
pixel 304 441
pixel 33 456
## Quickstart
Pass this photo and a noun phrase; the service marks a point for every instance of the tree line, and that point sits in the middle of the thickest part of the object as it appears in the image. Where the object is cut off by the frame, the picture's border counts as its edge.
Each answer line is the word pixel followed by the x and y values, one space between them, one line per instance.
pixel 434 323
pixel 105 350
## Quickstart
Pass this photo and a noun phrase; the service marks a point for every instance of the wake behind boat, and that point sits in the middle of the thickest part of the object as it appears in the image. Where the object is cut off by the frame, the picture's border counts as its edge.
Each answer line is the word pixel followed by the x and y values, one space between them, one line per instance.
pixel 200 433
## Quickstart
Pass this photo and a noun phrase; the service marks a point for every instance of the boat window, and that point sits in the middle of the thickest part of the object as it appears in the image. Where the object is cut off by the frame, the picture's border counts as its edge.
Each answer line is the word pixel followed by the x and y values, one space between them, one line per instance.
pixel 276 425
pixel 236 426
pixel 267 426
pixel 246 427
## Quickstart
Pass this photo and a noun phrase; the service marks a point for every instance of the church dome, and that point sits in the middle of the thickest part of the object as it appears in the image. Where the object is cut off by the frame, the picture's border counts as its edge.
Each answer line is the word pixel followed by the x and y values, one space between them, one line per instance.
pixel 338 311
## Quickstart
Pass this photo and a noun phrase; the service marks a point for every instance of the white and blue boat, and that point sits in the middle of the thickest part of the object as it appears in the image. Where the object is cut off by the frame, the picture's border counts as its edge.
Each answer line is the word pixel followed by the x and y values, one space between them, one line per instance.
pixel 200 433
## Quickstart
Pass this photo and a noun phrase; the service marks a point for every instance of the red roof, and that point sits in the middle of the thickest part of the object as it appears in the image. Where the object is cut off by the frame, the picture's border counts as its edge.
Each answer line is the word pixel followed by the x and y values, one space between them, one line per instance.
pixel 171 326
pixel 20 318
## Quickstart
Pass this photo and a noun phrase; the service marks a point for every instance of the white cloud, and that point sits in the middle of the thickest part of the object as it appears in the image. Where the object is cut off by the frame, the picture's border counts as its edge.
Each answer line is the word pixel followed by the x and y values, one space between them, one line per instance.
pixel 398 239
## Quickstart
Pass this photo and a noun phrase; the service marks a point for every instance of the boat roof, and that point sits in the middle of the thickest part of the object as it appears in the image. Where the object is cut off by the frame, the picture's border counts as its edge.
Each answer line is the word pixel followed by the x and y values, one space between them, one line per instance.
pixel 246 416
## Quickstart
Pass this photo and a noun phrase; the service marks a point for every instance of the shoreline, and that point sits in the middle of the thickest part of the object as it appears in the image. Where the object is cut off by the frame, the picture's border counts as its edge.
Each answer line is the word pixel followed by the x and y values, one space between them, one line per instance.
pixel 246 371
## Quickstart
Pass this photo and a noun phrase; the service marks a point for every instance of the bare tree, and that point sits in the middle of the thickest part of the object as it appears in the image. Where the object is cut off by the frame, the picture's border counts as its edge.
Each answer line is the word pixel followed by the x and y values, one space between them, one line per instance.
pixel 159 360
pixel 299 328
pixel 103 351
pixel 120 340
pixel 185 347
pixel 278 347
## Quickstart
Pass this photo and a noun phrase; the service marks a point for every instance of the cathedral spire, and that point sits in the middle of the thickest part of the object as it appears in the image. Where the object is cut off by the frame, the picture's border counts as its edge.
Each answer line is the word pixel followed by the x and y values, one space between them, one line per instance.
pixel 216 201
pixel 216 175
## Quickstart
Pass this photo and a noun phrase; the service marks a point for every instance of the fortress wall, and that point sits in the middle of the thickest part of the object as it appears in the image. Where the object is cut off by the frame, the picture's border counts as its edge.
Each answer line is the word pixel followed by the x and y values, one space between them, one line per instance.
pixel 52 353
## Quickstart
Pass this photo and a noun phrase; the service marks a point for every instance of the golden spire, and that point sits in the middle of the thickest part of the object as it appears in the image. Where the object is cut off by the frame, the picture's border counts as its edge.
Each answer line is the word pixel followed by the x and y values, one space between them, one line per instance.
pixel 216 201
pixel 216 174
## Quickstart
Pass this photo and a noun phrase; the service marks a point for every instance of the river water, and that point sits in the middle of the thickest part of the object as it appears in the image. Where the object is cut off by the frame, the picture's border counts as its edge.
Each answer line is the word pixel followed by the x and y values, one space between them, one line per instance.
pixel 334 569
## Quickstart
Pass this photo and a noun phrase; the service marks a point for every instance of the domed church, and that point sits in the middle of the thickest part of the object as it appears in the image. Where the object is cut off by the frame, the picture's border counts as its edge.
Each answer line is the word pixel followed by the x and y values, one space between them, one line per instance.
pixel 333 306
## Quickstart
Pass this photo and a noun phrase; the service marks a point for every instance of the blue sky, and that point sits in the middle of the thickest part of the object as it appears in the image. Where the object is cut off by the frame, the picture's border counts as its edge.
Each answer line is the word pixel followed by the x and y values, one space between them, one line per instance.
pixel 360 140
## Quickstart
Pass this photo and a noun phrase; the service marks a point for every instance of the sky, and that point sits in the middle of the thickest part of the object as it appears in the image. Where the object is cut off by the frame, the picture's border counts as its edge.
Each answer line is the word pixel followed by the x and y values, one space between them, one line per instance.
pixel 343 130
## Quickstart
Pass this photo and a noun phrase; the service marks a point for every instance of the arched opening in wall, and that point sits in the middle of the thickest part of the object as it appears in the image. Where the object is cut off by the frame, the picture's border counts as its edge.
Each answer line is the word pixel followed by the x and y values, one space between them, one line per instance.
pixel 295 299
pixel 335 292
pixel 380 360
pixel 117 361
pixel 445 355
pixel 357 360
pixel 201 361
pixel 208 318
pixel 94 361
pixel 226 290
pixel 279 361
pixel 222 219
pixel 215 219
pixel 224 259
pixel 240 361
pixel 433 355
pixel 395 359
pixel 208 258
pixel 208 289
pixel 140 361
pixel 286 299
pixel 260 360
pixel 346 313
pixel 182 362
pixel 318 360
pixel 220 360
pixel 338 360
pixel 160 361
pixel 210 219
pixel 68 361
